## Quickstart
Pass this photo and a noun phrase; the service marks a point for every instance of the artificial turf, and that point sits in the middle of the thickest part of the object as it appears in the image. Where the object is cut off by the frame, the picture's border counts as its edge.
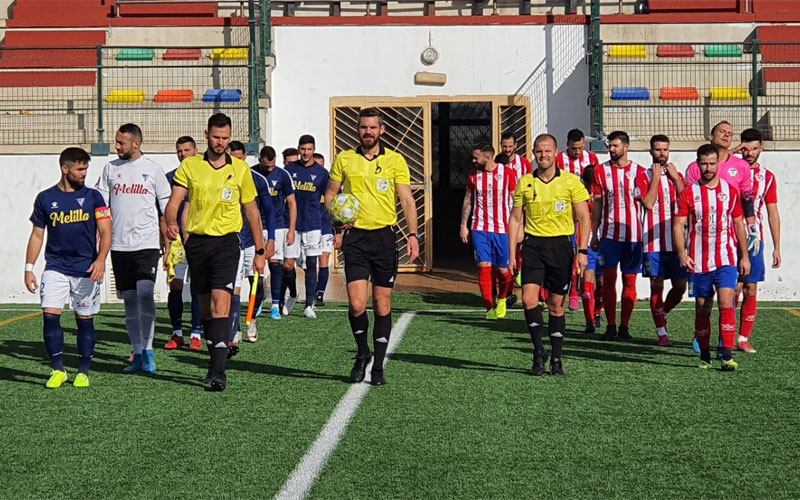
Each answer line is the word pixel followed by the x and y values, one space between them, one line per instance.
pixel 460 418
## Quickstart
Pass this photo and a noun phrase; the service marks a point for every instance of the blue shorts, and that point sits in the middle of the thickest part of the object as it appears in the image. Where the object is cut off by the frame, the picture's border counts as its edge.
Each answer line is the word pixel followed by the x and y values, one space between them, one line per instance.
pixel 703 284
pixel 758 269
pixel 490 247
pixel 594 260
pixel 663 265
pixel 628 256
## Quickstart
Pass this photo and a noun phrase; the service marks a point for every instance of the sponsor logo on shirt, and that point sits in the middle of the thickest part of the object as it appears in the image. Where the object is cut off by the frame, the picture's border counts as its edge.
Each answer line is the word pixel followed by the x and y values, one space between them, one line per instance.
pixel 122 188
pixel 733 172
pixel 305 186
pixel 54 204
pixel 68 218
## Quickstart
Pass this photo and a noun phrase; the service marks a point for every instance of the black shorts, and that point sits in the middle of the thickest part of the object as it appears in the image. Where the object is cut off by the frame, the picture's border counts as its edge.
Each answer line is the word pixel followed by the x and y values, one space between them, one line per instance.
pixel 214 261
pixel 370 254
pixel 547 261
pixel 130 267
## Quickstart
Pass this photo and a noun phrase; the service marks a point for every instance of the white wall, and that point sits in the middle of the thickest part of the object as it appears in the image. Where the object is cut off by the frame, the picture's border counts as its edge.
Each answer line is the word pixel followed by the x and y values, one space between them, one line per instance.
pixel 317 63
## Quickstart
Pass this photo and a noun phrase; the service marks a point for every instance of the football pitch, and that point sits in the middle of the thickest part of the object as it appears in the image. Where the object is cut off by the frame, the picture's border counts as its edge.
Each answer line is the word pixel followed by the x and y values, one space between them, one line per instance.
pixel 460 417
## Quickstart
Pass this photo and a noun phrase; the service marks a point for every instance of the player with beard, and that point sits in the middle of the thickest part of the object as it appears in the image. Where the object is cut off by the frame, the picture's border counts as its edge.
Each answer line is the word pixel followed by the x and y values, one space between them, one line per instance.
pixel 765 193
pixel 376 176
pixel 712 209
pixel 488 199
pixel 657 190
pixel 74 216
pixel 137 191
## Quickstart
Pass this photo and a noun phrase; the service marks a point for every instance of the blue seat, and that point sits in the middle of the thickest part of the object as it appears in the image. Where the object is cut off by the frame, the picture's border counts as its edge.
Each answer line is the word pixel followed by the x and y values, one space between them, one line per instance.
pixel 222 95
pixel 630 94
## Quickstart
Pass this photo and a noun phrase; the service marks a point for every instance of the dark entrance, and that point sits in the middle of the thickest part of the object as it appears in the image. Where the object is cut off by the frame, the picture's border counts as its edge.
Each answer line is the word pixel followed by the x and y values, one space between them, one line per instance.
pixel 456 128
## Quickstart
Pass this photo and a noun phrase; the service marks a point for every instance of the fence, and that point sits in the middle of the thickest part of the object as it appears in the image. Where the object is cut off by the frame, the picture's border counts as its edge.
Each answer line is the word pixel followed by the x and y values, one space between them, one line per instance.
pixel 682 90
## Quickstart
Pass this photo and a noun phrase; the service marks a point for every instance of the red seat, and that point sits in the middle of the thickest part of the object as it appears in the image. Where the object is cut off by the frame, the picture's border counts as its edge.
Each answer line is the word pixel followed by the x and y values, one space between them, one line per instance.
pixel 675 51
pixel 173 95
pixel 182 54
pixel 679 94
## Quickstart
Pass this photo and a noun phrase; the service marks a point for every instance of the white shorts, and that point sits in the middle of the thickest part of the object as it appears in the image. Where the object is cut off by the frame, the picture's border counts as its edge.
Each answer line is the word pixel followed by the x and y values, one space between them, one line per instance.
pixel 57 287
pixel 245 264
pixel 181 270
pixel 326 244
pixel 290 251
pixel 310 241
pixel 280 242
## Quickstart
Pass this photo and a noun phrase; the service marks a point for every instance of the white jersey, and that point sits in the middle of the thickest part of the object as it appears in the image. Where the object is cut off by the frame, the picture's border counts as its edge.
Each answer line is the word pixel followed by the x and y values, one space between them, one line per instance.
pixel 132 190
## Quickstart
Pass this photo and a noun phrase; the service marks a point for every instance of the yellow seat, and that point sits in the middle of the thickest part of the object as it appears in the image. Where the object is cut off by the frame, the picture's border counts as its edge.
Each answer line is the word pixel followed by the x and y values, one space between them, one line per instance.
pixel 125 96
pixel 229 54
pixel 730 94
pixel 628 51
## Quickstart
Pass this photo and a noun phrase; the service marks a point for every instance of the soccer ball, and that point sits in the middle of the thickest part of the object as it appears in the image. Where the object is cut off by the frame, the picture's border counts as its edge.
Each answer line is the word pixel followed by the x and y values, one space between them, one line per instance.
pixel 344 209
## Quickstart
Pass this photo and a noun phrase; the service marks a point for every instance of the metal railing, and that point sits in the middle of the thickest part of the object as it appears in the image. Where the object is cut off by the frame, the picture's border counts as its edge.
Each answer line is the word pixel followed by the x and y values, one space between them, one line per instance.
pixel 683 89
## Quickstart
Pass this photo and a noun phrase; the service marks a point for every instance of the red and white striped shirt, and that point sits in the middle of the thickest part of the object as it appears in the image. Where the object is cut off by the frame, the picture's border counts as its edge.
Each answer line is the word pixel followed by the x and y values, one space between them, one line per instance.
pixel 657 222
pixel 520 165
pixel 617 188
pixel 576 165
pixel 492 198
pixel 765 192
pixel 710 213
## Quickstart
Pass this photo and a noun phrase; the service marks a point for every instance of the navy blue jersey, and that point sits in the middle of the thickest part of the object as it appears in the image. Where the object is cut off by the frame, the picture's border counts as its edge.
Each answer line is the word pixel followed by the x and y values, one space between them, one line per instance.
pixel 264 204
pixel 170 176
pixel 327 225
pixel 280 187
pixel 310 184
pixel 71 222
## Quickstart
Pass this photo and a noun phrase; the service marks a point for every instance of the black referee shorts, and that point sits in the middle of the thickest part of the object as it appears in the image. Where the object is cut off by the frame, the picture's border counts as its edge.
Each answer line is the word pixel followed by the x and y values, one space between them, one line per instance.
pixel 370 254
pixel 130 267
pixel 547 261
pixel 214 261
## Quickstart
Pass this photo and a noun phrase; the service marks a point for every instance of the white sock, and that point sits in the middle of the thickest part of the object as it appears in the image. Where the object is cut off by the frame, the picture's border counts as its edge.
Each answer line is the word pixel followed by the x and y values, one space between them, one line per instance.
pixel 662 332
pixel 177 333
pixel 195 335
pixel 743 339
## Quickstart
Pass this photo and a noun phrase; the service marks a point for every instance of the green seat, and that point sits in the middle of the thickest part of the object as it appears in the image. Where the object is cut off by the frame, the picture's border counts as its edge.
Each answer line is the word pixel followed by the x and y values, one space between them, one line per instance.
pixel 723 51
pixel 135 55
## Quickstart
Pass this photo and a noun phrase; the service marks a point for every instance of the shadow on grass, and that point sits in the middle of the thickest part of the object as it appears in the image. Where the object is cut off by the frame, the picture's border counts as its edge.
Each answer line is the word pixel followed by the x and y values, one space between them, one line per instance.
pixel 461 364
pixel 262 368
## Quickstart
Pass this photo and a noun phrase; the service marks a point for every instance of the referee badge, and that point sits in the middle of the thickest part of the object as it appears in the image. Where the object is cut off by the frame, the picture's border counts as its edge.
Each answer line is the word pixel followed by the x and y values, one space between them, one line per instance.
pixel 383 185
pixel 561 206
pixel 227 194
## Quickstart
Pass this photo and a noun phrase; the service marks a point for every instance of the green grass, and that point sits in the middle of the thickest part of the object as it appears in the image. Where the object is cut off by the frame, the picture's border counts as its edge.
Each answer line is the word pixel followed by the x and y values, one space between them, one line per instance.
pixel 460 418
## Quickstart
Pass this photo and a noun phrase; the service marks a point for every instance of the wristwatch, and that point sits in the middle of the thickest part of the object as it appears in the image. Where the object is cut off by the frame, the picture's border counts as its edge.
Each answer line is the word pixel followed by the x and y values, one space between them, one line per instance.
pixel 415 235
pixel 260 251
pixel 584 251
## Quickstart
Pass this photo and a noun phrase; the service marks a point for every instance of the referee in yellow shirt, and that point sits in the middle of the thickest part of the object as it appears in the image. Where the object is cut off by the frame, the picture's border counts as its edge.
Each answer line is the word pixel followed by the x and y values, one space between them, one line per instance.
pixel 376 176
pixel 218 185
pixel 552 200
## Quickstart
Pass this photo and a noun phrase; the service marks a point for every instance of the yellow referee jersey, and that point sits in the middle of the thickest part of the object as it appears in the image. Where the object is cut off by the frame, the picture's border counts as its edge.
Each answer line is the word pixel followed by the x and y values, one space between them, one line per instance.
pixel 215 194
pixel 548 205
pixel 373 183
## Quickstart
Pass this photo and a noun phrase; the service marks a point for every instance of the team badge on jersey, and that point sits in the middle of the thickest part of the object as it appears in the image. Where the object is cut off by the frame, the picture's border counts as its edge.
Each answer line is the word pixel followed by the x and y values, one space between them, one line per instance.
pixel 227 194
pixel 733 172
pixel 383 185
pixel 561 206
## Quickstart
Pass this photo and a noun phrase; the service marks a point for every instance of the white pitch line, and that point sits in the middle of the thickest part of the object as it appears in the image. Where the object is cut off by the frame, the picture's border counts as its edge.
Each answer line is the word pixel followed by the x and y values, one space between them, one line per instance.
pixel 299 484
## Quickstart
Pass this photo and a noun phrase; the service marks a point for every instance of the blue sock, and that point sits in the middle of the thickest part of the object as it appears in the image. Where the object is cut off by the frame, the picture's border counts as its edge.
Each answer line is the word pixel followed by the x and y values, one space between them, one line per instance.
pixel 54 339
pixel 290 282
pixel 311 280
pixel 322 280
pixel 87 337
pixel 197 315
pixel 175 308
pixel 275 281
pixel 236 309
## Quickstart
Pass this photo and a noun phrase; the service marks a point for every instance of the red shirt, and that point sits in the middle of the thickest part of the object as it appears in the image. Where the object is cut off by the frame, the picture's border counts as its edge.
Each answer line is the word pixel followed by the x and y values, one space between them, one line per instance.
pixel 576 166
pixel 657 222
pixel 710 212
pixel 492 198
pixel 520 165
pixel 765 191
pixel 616 186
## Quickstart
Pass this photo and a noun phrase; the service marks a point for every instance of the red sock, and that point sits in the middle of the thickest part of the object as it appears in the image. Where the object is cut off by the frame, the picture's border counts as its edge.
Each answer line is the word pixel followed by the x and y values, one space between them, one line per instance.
pixel 485 284
pixel 673 299
pixel 727 326
pixel 748 316
pixel 506 285
pixel 598 298
pixel 702 329
pixel 628 297
pixel 610 295
pixel 588 301
pixel 657 306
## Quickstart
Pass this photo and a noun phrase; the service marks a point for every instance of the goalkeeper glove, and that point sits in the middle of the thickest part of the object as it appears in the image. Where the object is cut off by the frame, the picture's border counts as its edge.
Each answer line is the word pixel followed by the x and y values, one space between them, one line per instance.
pixel 753 239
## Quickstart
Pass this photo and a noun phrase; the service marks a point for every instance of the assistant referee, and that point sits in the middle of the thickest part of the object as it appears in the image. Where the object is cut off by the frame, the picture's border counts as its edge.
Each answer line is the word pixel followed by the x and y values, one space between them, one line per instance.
pixel 376 176
pixel 552 200
pixel 218 185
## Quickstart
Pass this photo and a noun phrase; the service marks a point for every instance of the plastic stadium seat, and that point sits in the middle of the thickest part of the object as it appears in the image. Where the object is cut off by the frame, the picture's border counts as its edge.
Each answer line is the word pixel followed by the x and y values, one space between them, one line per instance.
pixel 174 96
pixel 628 51
pixel 135 55
pixel 730 93
pixel 630 94
pixel 723 51
pixel 679 94
pixel 675 51
pixel 182 54
pixel 781 75
pixel 125 96
pixel 222 95
pixel 230 54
